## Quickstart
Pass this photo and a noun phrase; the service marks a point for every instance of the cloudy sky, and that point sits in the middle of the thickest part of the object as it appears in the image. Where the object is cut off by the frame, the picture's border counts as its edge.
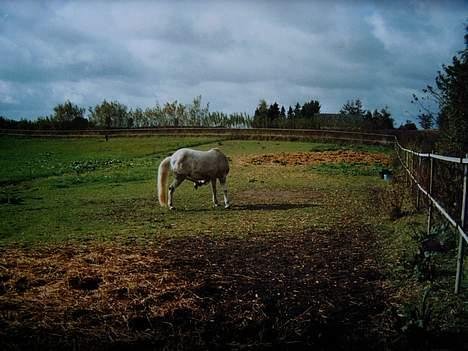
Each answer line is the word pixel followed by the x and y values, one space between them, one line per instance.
pixel 233 53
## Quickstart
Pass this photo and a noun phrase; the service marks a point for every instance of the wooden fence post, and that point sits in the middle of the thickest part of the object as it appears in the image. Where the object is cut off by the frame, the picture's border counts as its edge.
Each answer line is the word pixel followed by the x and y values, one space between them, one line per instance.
pixel 431 177
pixel 461 240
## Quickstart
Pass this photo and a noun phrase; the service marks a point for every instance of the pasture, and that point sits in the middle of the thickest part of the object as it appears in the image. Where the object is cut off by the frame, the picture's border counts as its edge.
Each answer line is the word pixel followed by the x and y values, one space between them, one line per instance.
pixel 89 258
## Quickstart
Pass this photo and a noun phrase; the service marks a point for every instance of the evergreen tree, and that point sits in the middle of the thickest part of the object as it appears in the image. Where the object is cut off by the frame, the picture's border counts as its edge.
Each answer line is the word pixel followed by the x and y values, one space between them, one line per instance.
pixel 283 113
pixel 297 111
pixel 260 119
pixel 353 108
pixel 290 115
pixel 273 115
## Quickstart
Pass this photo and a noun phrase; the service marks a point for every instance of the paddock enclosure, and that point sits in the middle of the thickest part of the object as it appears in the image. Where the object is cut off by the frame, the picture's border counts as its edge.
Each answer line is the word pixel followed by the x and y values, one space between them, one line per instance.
pixel 89 260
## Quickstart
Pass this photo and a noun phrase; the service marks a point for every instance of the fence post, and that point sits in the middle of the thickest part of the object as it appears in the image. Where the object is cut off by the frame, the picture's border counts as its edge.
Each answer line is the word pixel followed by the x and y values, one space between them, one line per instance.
pixel 461 240
pixel 412 184
pixel 418 177
pixel 407 166
pixel 431 177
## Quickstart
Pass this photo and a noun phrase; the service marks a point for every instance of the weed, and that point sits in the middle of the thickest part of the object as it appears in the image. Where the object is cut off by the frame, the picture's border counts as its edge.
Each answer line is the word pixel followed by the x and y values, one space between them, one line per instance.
pixel 423 259
pixel 416 319
pixel 446 236
pixel 392 198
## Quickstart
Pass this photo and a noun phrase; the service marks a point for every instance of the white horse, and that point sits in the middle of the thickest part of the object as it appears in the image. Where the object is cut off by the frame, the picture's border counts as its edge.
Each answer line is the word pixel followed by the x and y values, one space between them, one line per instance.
pixel 196 166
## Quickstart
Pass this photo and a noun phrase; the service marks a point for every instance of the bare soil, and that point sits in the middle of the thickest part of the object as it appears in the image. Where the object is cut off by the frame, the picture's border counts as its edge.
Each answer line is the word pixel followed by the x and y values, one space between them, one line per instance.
pixel 314 158
pixel 320 289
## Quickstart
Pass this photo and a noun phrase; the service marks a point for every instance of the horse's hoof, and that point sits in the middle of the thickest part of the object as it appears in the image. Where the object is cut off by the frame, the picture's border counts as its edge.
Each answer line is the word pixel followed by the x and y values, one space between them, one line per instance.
pixel 215 205
pixel 171 208
pixel 227 206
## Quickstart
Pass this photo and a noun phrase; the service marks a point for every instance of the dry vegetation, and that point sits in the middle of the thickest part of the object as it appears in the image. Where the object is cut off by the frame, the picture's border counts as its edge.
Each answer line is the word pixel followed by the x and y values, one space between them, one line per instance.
pixel 290 290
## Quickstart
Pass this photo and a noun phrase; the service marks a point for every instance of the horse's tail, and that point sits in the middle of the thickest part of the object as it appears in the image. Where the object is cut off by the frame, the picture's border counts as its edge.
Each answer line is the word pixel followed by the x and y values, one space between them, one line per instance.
pixel 163 176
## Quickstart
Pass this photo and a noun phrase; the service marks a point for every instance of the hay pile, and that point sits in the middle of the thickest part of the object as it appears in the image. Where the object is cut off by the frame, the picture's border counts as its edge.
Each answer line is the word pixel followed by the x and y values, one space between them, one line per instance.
pixel 296 289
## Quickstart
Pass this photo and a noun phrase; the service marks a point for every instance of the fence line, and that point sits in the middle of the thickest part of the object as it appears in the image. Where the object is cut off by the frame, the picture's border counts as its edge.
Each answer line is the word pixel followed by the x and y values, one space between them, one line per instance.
pixel 233 133
pixel 461 224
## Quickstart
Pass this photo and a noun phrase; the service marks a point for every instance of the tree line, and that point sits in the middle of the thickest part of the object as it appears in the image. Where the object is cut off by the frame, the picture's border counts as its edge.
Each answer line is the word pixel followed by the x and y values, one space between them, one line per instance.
pixel 352 116
pixel 114 114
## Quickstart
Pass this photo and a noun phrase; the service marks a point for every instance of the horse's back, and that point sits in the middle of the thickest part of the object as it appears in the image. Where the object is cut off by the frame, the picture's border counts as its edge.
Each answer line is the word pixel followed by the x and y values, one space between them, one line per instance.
pixel 200 164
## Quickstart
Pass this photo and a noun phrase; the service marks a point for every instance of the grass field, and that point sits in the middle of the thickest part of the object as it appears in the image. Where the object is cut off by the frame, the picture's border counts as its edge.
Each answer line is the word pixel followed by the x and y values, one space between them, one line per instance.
pixel 307 255
pixel 89 189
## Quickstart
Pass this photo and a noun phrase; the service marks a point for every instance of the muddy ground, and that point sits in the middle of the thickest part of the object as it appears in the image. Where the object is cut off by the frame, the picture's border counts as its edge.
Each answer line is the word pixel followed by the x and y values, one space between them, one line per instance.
pixel 317 289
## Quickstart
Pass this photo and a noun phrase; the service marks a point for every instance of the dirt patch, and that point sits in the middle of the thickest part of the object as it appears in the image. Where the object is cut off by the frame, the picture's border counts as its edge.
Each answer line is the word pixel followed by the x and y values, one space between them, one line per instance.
pixel 279 290
pixel 314 158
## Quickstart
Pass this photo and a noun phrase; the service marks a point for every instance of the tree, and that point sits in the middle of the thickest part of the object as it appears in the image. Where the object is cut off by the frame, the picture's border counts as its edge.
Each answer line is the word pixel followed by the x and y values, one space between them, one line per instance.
pixel 309 109
pixel 283 113
pixel 109 115
pixel 260 119
pixel 69 116
pixel 450 94
pixel 197 113
pixel 382 120
pixel 273 115
pixel 426 120
pixel 352 108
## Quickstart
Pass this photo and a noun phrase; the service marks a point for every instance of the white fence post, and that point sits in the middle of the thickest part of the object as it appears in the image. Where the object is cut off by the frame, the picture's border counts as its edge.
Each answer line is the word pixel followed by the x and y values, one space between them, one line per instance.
pixel 418 175
pixel 461 240
pixel 431 177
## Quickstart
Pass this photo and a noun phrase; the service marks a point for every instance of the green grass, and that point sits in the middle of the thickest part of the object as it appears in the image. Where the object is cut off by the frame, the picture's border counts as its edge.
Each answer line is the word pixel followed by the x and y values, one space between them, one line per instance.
pixel 57 190
pixel 32 158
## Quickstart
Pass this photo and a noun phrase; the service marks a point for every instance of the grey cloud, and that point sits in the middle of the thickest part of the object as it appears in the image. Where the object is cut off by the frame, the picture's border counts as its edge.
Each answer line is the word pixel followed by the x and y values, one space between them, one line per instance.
pixel 233 53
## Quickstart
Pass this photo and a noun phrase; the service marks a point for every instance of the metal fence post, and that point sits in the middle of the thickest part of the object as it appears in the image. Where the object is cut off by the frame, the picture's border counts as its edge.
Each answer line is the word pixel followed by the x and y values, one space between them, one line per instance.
pixel 431 177
pixel 418 177
pixel 407 166
pixel 461 240
pixel 412 184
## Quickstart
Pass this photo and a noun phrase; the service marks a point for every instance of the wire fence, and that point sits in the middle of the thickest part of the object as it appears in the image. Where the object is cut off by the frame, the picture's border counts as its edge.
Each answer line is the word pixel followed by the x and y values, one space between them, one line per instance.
pixel 440 183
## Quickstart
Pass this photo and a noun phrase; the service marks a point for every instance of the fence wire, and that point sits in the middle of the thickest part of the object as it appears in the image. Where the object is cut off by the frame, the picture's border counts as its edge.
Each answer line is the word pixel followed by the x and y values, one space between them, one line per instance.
pixel 440 182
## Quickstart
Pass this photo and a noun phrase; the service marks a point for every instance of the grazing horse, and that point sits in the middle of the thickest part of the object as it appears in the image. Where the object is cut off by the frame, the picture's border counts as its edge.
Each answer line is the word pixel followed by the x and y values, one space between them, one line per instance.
pixel 196 166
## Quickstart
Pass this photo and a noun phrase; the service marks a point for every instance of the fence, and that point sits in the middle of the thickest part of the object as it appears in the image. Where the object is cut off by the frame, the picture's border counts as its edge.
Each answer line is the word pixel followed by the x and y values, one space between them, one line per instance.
pixel 232 133
pixel 450 201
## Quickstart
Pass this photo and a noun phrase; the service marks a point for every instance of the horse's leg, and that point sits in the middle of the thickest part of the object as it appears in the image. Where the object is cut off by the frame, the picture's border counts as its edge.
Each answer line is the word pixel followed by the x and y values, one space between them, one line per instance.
pixel 224 185
pixel 177 181
pixel 213 190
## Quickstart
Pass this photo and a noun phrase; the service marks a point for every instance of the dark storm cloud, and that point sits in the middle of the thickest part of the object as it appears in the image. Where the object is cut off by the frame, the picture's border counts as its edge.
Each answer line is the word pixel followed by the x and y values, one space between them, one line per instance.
pixel 232 53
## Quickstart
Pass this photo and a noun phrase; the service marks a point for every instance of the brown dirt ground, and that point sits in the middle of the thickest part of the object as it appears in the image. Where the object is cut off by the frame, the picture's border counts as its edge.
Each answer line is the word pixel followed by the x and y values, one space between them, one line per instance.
pixel 317 289
pixel 314 158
